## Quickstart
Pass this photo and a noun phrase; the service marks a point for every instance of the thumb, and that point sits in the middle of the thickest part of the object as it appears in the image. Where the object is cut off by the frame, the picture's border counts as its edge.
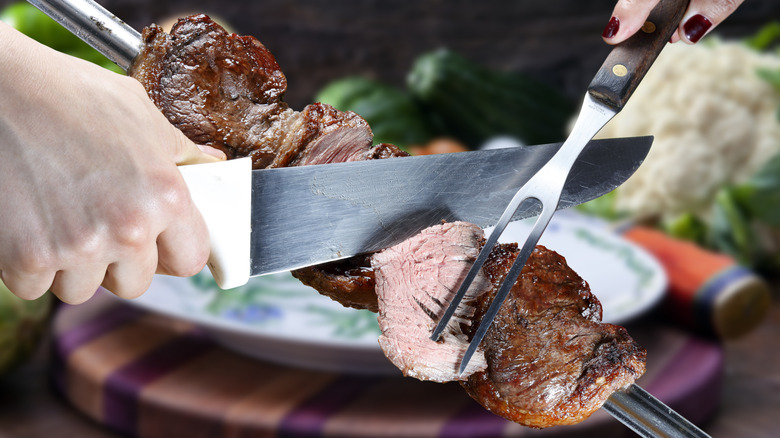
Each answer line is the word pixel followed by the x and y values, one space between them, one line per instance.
pixel 628 16
pixel 187 152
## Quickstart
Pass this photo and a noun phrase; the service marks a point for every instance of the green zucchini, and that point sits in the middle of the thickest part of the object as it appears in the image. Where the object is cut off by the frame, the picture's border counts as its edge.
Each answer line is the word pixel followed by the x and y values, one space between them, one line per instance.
pixel 392 114
pixel 474 104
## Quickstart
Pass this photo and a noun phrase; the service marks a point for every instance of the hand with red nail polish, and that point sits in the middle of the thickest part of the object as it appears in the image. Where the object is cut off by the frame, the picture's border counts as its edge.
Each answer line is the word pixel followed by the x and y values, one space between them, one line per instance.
pixel 701 17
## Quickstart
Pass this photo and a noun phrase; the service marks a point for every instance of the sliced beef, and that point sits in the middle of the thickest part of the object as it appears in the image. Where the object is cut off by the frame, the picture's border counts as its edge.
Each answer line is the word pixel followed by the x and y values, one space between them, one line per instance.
pixel 547 359
pixel 550 359
pixel 413 281
pixel 226 91
pixel 350 282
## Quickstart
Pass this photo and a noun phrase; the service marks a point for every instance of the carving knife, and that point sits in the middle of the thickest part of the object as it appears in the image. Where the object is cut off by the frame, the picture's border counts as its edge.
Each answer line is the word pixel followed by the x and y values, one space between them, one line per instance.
pixel 273 220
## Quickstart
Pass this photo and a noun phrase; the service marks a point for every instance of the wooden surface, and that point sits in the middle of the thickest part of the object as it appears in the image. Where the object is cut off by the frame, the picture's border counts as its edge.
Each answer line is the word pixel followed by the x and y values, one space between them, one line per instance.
pixel 154 377
pixel 749 405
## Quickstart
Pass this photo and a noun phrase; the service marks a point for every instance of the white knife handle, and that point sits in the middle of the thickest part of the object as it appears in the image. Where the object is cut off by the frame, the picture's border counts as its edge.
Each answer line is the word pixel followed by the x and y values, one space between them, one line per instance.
pixel 223 193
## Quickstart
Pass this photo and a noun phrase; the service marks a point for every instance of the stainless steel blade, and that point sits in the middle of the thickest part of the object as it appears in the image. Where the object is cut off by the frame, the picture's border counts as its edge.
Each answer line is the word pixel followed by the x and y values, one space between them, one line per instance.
pixel 303 216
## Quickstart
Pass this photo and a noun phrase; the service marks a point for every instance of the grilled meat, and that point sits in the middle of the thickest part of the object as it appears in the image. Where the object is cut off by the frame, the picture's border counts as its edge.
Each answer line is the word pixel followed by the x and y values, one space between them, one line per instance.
pixel 414 281
pixel 226 91
pixel 546 360
pixel 550 359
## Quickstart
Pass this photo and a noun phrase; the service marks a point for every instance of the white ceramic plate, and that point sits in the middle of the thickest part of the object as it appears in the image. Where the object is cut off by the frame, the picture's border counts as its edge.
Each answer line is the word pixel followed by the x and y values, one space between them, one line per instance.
pixel 276 318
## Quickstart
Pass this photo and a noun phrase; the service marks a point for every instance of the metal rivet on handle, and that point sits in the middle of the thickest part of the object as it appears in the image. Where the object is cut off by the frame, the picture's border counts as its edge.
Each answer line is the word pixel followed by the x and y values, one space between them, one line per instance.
pixel 619 70
pixel 648 27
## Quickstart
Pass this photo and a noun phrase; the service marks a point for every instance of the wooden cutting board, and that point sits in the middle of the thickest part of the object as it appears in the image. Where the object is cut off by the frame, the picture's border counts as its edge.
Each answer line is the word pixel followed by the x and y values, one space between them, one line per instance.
pixel 150 376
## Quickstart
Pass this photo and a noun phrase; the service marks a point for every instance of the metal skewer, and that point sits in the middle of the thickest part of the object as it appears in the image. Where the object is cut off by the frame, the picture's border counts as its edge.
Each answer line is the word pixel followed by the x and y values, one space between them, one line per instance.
pixel 101 29
pixel 649 417
pixel 633 406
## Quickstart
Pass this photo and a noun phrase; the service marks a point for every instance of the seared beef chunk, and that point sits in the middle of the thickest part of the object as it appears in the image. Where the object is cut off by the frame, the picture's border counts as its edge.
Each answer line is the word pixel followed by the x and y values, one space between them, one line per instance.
pixel 349 281
pixel 550 359
pixel 547 359
pixel 413 281
pixel 219 89
pixel 226 91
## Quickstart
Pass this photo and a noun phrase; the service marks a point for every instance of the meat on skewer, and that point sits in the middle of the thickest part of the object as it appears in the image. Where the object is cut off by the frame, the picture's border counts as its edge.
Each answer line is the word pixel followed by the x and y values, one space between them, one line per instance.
pixel 547 359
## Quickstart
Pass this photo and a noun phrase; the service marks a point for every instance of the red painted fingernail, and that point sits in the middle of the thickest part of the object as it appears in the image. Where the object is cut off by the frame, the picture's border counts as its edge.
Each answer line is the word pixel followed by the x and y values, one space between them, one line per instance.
pixel 612 28
pixel 696 27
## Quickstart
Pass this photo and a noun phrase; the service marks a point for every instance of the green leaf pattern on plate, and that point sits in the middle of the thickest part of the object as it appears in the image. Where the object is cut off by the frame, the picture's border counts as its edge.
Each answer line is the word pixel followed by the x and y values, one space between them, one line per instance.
pixel 626 253
pixel 266 300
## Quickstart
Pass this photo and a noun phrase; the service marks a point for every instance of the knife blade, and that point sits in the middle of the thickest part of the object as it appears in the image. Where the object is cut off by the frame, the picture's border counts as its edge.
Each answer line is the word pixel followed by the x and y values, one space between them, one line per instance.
pixel 273 220
pixel 267 221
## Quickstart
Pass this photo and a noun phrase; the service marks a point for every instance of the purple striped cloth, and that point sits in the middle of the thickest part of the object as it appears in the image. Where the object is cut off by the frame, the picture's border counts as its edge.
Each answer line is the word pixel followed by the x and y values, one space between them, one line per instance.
pixel 149 376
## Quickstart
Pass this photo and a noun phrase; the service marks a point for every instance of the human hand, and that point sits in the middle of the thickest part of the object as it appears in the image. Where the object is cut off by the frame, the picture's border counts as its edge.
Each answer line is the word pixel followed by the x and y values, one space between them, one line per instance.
pixel 92 195
pixel 701 17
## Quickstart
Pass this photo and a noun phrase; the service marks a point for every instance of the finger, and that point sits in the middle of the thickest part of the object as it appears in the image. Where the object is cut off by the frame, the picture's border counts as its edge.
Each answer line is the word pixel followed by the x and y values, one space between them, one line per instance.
pixel 131 277
pixel 183 248
pixel 27 286
pixel 628 16
pixel 77 286
pixel 704 15
pixel 187 152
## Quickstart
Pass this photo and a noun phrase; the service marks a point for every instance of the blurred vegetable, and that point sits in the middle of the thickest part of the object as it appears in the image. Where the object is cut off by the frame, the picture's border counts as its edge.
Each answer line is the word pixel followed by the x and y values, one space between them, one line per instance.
pixel 603 207
pixel 475 104
pixel 38 26
pixel 765 37
pixel 22 325
pixel 440 145
pixel 452 97
pixel 688 227
pixel 392 114
pixel 745 221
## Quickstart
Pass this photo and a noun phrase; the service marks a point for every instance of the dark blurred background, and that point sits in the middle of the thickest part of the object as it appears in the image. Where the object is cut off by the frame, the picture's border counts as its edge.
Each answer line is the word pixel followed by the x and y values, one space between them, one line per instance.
pixel 316 41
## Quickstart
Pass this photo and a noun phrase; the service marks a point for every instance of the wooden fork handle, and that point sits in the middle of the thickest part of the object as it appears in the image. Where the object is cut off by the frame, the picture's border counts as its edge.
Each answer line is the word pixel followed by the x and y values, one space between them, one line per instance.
pixel 630 60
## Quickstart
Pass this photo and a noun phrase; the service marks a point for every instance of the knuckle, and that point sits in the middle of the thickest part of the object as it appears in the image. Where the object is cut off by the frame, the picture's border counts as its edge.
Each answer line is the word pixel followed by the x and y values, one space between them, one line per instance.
pixel 185 263
pixel 193 264
pixel 175 195
pixel 73 297
pixel 28 293
pixel 723 8
pixel 34 262
pixel 130 290
pixel 133 229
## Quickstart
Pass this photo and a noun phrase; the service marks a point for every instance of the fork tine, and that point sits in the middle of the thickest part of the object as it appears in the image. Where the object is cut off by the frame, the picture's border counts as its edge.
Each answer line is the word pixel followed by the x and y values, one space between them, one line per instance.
pixel 506 217
pixel 509 281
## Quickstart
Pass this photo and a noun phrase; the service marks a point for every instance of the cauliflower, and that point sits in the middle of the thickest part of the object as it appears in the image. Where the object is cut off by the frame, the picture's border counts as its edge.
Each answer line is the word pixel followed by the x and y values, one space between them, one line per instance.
pixel 714 121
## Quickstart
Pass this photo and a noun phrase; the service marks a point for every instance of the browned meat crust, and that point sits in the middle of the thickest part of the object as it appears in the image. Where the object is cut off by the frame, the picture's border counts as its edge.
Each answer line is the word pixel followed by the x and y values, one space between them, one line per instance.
pixel 226 91
pixel 550 359
pixel 349 282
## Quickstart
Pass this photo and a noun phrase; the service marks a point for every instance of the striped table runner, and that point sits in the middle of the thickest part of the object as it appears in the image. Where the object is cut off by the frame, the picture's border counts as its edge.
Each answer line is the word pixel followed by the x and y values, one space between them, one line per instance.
pixel 150 376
